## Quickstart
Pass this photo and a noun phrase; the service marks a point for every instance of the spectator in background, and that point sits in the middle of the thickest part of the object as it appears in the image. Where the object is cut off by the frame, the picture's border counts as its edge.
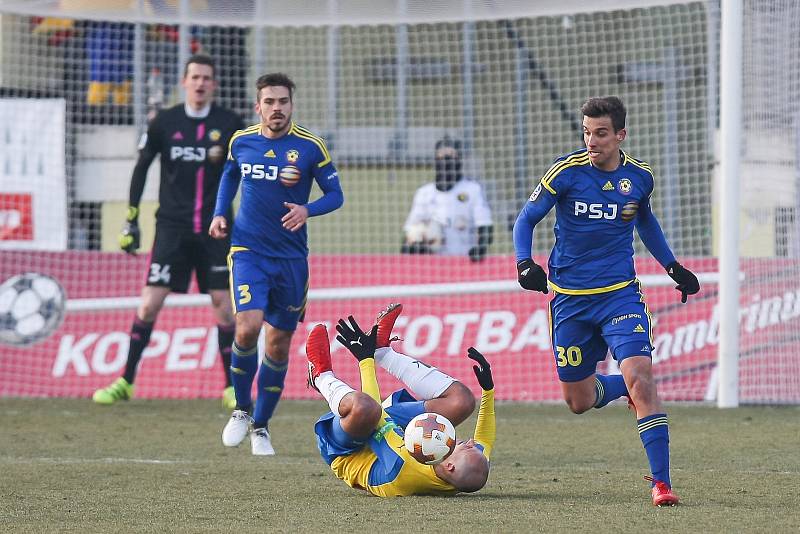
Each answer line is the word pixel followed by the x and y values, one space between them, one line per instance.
pixel 109 49
pixel 449 216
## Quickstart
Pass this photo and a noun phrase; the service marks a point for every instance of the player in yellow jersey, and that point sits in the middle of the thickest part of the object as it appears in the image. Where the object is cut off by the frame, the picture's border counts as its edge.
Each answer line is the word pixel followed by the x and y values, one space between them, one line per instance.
pixel 362 440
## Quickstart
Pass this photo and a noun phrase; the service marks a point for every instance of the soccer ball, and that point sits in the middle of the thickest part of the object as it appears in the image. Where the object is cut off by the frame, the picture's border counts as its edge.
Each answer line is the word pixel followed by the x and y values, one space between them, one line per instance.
pixel 430 438
pixel 31 308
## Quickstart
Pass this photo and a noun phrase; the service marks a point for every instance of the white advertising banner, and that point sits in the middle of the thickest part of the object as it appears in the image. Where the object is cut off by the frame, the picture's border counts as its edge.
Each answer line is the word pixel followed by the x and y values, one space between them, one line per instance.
pixel 33 196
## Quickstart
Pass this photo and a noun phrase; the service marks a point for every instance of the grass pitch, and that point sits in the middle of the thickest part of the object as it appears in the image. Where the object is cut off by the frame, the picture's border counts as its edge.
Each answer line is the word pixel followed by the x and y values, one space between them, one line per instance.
pixel 159 466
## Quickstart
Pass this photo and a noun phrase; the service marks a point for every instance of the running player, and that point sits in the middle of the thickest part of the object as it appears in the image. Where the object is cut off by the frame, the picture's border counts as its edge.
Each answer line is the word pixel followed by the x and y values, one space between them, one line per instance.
pixel 600 194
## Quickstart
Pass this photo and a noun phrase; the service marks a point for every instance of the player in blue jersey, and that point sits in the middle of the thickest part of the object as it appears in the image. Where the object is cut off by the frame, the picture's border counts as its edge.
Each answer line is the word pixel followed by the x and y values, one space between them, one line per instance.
pixel 600 194
pixel 362 440
pixel 276 162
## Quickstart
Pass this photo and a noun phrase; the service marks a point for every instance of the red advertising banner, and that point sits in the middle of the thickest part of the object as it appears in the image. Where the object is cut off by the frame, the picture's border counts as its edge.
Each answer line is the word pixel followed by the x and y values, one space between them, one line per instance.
pixel 16 217
pixel 449 305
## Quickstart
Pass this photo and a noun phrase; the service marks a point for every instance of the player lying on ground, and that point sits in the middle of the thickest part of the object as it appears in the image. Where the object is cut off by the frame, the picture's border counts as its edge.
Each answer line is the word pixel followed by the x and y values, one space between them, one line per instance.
pixel 362 441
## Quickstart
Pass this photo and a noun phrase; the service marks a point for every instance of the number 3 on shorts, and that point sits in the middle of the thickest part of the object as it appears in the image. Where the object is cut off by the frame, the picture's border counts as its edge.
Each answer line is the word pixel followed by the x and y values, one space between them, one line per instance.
pixel 244 293
pixel 570 356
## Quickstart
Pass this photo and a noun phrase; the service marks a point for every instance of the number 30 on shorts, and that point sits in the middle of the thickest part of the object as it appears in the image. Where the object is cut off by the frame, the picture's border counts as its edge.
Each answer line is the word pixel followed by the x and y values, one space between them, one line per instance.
pixel 570 356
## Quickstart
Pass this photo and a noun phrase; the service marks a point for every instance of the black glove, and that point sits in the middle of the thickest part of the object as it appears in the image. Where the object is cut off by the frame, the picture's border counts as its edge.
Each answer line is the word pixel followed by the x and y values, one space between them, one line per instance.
pixel 360 345
pixel 129 237
pixel 531 276
pixel 686 280
pixel 477 254
pixel 483 371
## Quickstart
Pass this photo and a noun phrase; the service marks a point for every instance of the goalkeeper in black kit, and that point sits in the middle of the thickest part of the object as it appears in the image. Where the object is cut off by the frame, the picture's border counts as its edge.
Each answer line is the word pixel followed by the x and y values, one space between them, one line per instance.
pixel 192 139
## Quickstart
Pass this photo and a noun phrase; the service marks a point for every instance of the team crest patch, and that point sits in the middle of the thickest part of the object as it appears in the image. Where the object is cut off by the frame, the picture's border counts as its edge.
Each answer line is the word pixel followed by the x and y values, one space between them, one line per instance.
pixel 535 193
pixel 292 156
pixel 214 135
pixel 463 197
pixel 289 175
pixel 624 186
pixel 629 210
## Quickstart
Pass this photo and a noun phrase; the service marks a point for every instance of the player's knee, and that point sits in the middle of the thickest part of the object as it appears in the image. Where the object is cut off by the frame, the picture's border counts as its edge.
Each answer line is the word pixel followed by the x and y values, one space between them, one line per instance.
pixel 462 401
pixel 246 337
pixel 577 404
pixel 365 410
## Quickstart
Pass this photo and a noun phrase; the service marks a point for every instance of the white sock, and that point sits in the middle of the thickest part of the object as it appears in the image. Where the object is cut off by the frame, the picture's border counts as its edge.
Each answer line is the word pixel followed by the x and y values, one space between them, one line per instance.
pixel 333 389
pixel 426 381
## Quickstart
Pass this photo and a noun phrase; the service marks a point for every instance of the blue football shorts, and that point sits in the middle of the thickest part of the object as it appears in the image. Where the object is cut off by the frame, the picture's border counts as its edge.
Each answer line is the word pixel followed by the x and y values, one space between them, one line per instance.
pixel 585 327
pixel 277 286
pixel 333 441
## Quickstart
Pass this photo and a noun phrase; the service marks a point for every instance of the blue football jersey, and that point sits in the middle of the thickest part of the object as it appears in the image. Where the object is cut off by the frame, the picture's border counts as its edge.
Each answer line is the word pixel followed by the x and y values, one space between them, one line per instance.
pixel 271 172
pixel 596 212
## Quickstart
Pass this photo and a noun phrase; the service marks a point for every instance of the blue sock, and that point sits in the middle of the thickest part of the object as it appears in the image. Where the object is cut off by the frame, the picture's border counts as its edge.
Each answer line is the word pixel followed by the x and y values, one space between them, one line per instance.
pixel 244 364
pixel 654 432
pixel 270 386
pixel 608 388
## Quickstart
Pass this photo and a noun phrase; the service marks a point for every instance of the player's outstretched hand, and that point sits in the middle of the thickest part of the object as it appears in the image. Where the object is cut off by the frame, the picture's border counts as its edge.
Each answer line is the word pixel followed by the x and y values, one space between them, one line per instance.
pixel 686 280
pixel 218 228
pixel 483 371
pixel 531 276
pixel 360 344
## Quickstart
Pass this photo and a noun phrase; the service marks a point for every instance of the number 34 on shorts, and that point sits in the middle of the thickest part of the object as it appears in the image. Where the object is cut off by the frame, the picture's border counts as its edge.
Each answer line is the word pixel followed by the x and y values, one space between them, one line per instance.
pixel 569 356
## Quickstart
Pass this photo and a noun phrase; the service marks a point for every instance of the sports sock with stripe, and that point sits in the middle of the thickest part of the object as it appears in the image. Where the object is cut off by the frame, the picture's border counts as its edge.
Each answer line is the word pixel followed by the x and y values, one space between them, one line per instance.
pixel 271 376
pixel 608 388
pixel 654 433
pixel 244 364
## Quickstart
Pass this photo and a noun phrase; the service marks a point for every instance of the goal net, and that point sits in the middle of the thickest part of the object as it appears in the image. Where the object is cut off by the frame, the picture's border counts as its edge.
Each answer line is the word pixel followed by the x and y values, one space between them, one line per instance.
pixel 382 82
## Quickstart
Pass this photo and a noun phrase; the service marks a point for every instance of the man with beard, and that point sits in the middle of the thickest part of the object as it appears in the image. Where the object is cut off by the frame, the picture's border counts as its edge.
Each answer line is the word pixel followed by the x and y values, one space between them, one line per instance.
pixel 276 162
pixel 449 216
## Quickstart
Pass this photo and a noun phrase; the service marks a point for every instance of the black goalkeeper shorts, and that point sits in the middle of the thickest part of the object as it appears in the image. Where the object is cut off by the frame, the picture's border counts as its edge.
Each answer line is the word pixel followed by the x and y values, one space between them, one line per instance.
pixel 177 252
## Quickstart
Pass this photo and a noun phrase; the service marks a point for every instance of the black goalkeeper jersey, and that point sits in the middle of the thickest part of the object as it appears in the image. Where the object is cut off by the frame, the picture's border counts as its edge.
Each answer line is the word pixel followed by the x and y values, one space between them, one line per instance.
pixel 193 154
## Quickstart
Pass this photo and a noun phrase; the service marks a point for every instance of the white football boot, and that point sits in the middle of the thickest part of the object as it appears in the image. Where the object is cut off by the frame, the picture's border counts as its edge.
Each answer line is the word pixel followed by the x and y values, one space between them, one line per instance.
pixel 236 429
pixel 260 442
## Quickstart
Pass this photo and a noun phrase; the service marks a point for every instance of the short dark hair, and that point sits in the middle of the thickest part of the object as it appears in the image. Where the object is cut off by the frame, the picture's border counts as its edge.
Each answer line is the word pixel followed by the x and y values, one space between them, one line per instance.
pixel 606 106
pixel 447 141
pixel 275 79
pixel 200 59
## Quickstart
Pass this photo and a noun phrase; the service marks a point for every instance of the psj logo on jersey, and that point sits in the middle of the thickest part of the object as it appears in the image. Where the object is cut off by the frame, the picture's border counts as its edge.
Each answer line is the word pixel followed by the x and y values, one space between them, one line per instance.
pixel 596 211
pixel 259 171
pixel 187 153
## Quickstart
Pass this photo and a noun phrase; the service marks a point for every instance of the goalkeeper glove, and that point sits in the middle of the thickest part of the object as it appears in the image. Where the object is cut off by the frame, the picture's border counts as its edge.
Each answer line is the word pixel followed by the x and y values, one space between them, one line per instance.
pixel 686 280
pixel 483 371
pixel 129 237
pixel 360 345
pixel 531 276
